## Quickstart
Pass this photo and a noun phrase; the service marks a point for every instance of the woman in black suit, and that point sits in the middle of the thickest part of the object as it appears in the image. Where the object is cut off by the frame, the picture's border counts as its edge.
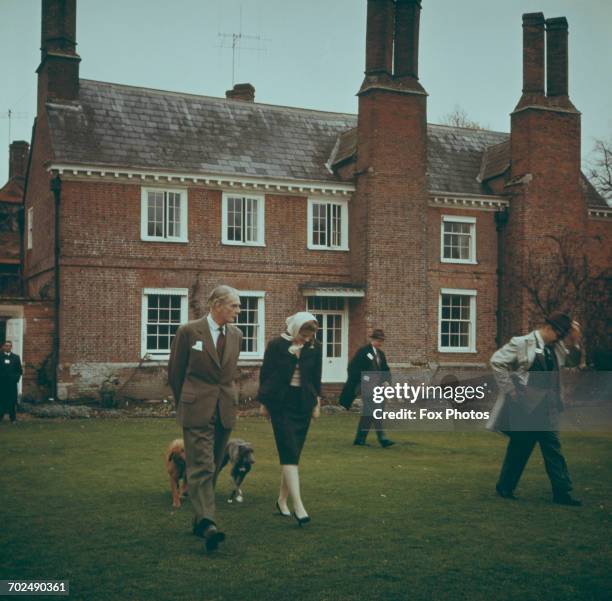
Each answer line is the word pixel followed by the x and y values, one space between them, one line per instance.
pixel 289 388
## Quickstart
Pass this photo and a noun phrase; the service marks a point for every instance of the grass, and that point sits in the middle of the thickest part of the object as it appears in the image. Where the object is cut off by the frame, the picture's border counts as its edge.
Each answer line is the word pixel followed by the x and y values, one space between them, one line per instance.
pixel 88 501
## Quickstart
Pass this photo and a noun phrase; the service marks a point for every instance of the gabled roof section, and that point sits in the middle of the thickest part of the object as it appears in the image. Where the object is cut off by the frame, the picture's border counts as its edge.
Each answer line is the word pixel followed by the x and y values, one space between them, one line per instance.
pixel 130 127
pixel 12 191
pixel 454 157
pixel 495 161
pixel 594 198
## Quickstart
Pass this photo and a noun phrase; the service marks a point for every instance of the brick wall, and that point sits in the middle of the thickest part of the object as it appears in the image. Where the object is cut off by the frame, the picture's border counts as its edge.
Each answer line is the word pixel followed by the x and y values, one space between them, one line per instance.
pixel 389 221
pixel 481 277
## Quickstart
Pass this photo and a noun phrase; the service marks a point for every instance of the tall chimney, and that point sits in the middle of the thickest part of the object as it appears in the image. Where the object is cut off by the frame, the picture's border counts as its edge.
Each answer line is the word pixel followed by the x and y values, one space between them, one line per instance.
pixel 241 91
pixel 407 17
pixel 533 53
pixel 556 57
pixel 58 72
pixel 18 159
pixel 379 37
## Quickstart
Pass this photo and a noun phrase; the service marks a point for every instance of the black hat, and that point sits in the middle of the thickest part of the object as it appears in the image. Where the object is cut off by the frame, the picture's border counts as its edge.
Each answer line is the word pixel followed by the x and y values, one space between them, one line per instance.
pixel 377 334
pixel 560 323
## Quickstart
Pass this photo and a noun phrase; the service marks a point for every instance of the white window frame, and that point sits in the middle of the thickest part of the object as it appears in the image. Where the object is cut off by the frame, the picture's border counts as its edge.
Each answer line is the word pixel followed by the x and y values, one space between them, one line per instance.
pixel 471 348
pixel 261 334
pixel 184 294
pixel 344 229
pixel 261 219
pixel 144 215
pixel 30 227
pixel 459 219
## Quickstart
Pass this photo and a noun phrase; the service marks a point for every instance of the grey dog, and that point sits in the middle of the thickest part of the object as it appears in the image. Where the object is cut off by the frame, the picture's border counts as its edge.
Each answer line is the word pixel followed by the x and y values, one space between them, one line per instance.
pixel 240 455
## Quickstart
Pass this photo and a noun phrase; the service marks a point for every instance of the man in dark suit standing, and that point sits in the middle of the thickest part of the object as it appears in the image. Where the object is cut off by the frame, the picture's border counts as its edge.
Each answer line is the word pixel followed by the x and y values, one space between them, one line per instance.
pixel 368 358
pixel 10 374
pixel 202 372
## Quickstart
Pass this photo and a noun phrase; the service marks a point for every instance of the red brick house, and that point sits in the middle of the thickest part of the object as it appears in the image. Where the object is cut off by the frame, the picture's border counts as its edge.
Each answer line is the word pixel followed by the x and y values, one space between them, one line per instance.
pixel 139 201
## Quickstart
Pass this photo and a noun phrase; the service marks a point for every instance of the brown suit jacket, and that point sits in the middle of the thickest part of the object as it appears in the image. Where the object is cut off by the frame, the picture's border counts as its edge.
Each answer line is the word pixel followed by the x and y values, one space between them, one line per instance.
pixel 198 380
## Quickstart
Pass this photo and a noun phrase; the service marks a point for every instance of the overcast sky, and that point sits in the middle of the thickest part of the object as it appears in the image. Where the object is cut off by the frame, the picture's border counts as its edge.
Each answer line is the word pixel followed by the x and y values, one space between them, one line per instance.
pixel 309 54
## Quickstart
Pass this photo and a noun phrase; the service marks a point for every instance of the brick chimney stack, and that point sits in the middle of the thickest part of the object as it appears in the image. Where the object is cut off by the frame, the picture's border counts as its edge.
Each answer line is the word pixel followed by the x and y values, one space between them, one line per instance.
pixel 379 37
pixel 18 159
pixel 533 54
pixel 241 91
pixel 556 57
pixel 545 177
pixel 391 185
pixel 58 72
pixel 407 17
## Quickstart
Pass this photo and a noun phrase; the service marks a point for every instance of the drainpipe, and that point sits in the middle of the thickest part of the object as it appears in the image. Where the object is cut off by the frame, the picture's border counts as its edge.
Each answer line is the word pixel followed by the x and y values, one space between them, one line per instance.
pixel 56 188
pixel 501 219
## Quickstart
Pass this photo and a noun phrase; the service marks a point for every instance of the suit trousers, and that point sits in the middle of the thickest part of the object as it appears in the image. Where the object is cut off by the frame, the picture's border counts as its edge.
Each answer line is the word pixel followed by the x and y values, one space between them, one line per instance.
pixel 364 425
pixel 204 449
pixel 9 407
pixel 520 447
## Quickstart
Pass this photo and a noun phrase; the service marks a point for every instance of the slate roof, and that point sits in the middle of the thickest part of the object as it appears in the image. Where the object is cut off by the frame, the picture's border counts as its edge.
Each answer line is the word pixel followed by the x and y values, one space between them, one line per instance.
pixel 115 125
pixel 454 157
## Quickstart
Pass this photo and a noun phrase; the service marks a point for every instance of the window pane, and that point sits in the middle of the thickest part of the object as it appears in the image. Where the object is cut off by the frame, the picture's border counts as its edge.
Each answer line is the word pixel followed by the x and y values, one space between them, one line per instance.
pixel 249 323
pixel 163 319
pixel 455 323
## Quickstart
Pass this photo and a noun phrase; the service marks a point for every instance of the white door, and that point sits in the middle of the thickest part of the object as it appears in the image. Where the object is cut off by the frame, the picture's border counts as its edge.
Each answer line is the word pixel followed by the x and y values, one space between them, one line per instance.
pixel 14 333
pixel 332 334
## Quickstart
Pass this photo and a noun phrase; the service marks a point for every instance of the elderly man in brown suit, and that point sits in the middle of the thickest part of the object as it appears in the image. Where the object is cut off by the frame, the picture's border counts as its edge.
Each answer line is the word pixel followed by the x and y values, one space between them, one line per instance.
pixel 201 373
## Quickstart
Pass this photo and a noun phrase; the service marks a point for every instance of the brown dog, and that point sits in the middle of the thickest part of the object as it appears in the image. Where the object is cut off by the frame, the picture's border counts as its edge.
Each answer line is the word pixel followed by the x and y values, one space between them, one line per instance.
pixel 177 470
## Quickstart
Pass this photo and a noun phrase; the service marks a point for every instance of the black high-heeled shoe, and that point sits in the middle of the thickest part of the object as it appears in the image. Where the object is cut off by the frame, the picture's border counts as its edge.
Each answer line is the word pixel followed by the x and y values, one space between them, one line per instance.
pixel 301 521
pixel 285 515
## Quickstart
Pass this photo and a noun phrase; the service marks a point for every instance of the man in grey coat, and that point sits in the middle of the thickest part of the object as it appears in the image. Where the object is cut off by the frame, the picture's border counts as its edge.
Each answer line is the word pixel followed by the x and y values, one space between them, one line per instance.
pixel 202 372
pixel 529 402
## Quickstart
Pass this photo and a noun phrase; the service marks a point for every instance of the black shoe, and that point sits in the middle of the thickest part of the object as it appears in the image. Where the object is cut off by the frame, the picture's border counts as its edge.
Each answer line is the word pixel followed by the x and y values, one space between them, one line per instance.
pixel 199 527
pixel 301 521
pixel 212 538
pixel 504 494
pixel 385 443
pixel 285 515
pixel 566 499
pixel 360 443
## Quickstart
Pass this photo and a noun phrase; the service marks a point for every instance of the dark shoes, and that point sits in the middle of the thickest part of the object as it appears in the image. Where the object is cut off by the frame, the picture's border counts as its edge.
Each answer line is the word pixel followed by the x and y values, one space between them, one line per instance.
pixel 301 521
pixel 208 531
pixel 212 538
pixel 566 499
pixel 285 515
pixel 360 443
pixel 385 443
pixel 504 494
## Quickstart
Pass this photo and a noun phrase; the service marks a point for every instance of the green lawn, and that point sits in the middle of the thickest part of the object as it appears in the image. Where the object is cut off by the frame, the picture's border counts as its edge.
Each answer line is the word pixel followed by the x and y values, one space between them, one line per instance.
pixel 88 501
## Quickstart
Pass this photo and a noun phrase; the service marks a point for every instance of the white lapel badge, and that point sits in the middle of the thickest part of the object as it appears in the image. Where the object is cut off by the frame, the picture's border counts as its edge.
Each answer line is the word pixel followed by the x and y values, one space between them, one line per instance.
pixel 197 346
pixel 370 356
pixel 539 351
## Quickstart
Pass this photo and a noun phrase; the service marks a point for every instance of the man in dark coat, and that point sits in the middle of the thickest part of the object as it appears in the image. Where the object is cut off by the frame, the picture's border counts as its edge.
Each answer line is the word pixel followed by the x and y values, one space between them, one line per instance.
pixel 368 358
pixel 527 409
pixel 10 374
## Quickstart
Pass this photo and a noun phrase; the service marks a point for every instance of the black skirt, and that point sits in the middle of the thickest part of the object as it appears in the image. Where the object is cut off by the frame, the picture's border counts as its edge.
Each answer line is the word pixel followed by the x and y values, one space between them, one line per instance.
pixel 290 423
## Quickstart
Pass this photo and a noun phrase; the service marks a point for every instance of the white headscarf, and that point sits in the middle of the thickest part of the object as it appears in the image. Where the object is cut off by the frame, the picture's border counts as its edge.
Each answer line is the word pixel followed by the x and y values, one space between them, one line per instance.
pixel 294 325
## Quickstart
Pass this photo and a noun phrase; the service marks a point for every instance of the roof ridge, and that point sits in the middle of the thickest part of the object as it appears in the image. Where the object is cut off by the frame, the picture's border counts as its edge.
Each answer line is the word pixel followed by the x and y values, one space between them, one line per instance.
pixel 219 98
pixel 489 131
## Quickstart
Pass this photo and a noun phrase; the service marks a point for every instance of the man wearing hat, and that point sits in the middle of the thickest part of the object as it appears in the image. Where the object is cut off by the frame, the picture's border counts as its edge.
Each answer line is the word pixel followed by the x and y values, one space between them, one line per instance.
pixel 368 358
pixel 529 402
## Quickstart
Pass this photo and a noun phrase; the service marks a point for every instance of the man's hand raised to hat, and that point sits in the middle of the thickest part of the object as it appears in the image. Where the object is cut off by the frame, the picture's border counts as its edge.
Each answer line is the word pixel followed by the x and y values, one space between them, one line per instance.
pixel 575 334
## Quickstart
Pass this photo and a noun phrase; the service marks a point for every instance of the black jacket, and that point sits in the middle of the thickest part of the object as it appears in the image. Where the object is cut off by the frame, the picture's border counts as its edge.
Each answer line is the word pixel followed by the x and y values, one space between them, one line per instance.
pixel 359 363
pixel 277 370
pixel 10 373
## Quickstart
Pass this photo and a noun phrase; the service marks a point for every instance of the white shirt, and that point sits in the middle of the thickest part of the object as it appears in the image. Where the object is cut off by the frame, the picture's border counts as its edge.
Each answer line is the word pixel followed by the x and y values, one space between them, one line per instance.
pixel 214 329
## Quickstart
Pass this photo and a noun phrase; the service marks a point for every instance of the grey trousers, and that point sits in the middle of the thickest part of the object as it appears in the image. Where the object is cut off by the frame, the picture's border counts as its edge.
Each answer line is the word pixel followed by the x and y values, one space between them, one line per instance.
pixel 204 448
